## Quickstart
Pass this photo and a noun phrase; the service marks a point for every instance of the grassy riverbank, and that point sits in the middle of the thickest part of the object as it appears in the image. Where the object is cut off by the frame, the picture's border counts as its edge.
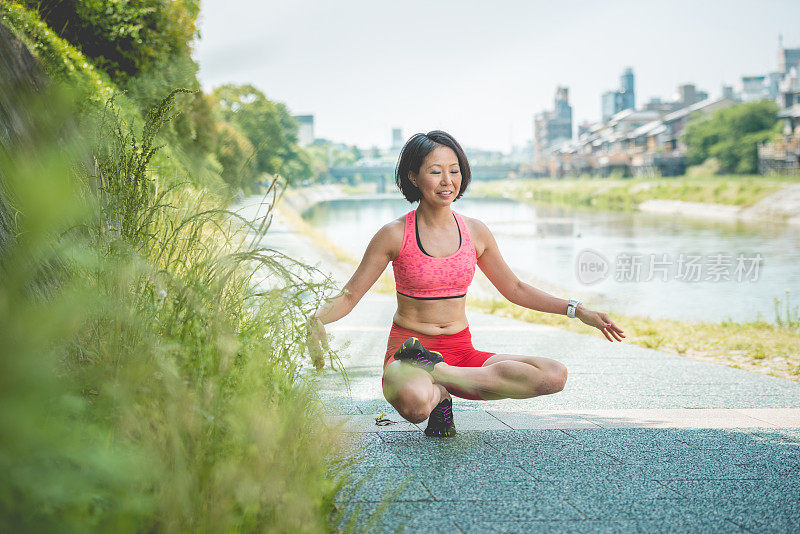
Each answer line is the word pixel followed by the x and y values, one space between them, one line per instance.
pixel 755 346
pixel 627 194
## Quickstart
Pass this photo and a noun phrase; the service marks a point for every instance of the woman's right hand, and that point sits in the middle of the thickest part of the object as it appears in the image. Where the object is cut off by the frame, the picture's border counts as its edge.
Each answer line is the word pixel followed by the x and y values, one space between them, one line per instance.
pixel 317 342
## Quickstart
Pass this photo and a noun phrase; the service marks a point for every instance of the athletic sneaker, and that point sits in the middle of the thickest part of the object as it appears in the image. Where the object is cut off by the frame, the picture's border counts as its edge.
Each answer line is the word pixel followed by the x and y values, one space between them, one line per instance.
pixel 412 351
pixel 440 422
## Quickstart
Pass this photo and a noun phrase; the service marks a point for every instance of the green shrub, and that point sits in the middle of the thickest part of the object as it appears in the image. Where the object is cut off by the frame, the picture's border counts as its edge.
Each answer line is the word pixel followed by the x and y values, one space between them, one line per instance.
pixel 731 136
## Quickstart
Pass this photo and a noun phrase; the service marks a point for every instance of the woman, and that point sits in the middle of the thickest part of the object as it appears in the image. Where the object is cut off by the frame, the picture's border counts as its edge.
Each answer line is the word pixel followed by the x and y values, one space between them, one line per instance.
pixel 433 251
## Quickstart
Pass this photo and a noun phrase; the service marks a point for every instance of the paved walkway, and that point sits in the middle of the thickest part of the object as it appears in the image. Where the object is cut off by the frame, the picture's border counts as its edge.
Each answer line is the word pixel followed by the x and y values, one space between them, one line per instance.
pixel 638 441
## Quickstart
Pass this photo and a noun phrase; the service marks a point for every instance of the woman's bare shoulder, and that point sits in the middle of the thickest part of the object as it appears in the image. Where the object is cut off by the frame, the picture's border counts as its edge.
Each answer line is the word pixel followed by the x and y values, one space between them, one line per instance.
pixel 390 236
pixel 475 226
pixel 478 231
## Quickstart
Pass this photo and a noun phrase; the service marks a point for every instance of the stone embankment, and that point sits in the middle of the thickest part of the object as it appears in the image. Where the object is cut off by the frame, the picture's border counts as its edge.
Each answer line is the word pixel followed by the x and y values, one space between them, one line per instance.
pixel 303 198
pixel 783 205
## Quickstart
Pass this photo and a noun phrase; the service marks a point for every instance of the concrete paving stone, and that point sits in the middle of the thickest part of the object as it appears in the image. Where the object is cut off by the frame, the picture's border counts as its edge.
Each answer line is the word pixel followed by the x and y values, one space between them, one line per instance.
pixel 782 436
pixel 637 473
pixel 775 416
pixel 388 483
pixel 676 456
pixel 377 406
pixel 729 490
pixel 787 466
pixel 741 390
pixel 547 507
pixel 764 516
pixel 522 450
pixel 643 438
pixel 549 526
pixel 482 455
pixel 567 457
pixel 551 454
pixel 489 490
pixel 688 526
pixel 395 517
pixel 340 406
pixel 407 438
pixel 542 419
pixel 687 469
pixel 613 507
pixel 374 458
pixel 463 441
pixel 599 488
pixel 672 418
pixel 526 437
pixel 467 476
pixel 369 455
pixel 719 438
pixel 473 420
pixel 366 423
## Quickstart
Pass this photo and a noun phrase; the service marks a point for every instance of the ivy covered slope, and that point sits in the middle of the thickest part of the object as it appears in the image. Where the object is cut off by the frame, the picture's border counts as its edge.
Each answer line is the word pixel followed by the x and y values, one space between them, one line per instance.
pixel 151 368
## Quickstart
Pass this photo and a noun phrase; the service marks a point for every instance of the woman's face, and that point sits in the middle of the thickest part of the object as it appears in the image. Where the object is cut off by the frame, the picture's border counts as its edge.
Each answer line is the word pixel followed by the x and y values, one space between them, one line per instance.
pixel 439 178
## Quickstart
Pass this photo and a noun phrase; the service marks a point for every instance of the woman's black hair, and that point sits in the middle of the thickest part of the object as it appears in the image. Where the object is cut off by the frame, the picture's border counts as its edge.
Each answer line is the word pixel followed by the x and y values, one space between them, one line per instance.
pixel 413 154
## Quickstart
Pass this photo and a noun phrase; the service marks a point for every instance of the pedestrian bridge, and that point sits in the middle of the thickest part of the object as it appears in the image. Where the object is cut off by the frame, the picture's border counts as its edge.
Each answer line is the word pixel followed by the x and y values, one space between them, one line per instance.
pixel 384 174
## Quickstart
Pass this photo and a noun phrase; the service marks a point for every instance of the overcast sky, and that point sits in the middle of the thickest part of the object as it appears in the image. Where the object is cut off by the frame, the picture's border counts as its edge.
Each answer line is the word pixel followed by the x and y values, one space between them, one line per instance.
pixel 479 70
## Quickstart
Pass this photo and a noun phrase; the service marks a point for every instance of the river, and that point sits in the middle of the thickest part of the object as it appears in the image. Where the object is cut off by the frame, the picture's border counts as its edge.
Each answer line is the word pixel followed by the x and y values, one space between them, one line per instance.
pixel 694 269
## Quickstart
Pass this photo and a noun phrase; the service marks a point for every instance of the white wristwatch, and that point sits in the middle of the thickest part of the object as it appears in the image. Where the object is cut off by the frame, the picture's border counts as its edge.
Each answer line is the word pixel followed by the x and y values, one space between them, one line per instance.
pixel 573 304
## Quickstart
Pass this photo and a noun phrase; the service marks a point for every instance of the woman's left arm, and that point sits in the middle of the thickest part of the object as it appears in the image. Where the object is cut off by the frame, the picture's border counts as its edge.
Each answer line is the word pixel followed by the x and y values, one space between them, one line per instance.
pixel 498 272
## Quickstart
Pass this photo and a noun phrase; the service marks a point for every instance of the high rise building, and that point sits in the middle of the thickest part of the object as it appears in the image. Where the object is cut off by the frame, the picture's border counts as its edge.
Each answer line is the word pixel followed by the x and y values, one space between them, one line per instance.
pixel 305 132
pixel 626 89
pixel 728 92
pixel 397 138
pixel 552 126
pixel 687 94
pixel 787 57
pixel 620 99
pixel 754 88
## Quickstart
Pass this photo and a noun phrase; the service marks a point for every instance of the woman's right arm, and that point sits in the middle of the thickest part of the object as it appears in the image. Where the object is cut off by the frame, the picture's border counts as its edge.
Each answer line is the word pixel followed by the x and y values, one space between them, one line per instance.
pixel 379 253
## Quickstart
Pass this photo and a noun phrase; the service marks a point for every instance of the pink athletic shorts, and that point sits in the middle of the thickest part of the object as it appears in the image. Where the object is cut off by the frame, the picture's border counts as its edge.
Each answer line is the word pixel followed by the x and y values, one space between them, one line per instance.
pixel 456 349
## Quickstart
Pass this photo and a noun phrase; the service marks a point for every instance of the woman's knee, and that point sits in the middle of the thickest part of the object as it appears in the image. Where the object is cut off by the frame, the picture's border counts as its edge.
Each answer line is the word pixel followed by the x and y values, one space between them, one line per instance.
pixel 409 395
pixel 558 377
pixel 412 403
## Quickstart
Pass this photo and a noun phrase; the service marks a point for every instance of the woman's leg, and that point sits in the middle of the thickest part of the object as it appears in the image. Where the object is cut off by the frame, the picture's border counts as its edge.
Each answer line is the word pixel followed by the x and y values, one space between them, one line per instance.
pixel 504 376
pixel 411 391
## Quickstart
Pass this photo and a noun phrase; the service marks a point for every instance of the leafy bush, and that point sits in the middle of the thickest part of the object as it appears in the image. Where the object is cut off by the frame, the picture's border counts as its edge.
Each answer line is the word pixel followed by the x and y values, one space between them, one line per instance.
pixel 268 126
pixel 731 136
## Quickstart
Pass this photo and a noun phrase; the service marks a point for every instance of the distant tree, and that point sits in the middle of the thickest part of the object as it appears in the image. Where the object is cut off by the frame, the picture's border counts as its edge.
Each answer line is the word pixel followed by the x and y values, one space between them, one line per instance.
pixel 732 136
pixel 235 153
pixel 268 126
pixel 324 154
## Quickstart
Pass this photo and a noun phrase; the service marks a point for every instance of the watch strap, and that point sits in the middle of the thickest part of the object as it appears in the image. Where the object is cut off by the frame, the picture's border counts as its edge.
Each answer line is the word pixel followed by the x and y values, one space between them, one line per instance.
pixel 571 307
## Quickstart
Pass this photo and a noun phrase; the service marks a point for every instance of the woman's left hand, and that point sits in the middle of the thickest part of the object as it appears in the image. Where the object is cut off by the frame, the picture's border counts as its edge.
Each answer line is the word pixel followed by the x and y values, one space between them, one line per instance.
pixel 601 321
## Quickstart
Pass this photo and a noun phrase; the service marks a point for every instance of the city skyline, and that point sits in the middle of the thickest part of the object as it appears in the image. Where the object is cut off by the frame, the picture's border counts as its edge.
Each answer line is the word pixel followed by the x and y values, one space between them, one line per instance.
pixel 364 69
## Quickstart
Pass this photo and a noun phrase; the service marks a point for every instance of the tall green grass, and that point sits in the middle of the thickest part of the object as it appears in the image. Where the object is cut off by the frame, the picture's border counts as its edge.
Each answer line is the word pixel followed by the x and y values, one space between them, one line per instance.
pixel 151 375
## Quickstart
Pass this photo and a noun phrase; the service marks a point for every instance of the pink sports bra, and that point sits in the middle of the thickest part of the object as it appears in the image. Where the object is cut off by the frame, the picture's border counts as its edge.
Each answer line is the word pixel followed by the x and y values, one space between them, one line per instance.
pixel 421 276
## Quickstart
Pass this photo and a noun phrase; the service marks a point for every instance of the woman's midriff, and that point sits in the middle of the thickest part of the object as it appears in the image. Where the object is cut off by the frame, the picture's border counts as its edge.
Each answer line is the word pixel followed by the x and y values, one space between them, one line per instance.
pixel 431 317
